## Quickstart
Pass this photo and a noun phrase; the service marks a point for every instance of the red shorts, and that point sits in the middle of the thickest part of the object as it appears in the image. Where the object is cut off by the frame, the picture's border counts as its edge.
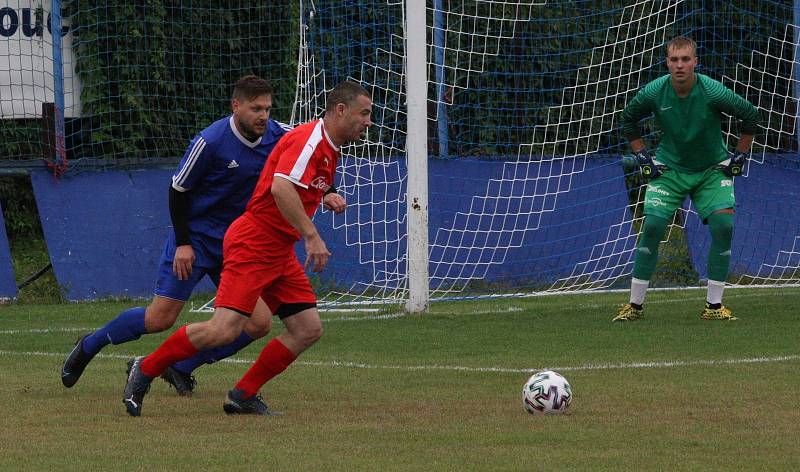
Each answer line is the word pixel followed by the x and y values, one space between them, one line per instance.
pixel 257 264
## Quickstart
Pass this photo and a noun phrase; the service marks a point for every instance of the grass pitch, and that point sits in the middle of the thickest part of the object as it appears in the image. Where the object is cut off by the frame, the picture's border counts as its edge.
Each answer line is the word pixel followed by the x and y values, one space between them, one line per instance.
pixel 439 391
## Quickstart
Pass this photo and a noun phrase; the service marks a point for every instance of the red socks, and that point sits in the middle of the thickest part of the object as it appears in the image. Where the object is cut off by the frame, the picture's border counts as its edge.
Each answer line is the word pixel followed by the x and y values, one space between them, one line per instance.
pixel 274 359
pixel 176 348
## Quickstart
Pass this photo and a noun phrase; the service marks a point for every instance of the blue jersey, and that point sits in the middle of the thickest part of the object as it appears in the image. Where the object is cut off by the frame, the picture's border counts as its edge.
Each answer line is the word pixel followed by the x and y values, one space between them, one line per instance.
pixel 220 169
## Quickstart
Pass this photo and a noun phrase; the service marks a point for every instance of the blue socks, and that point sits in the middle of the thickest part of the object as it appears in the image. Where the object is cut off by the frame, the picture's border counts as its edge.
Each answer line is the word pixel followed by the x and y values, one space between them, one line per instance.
pixel 209 356
pixel 127 326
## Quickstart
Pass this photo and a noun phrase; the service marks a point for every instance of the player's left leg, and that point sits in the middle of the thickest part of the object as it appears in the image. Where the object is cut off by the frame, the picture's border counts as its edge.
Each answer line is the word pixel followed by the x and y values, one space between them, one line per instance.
pixel 303 329
pixel 179 375
pixel 720 224
pixel 294 302
pixel 259 324
pixel 715 201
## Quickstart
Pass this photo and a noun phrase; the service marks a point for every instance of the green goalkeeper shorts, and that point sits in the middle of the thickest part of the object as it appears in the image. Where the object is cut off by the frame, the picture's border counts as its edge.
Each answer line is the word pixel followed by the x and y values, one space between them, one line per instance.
pixel 710 190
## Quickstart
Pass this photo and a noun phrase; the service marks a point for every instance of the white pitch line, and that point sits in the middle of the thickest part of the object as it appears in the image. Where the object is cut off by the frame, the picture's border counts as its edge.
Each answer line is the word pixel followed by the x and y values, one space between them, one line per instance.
pixel 387 316
pixel 46 330
pixel 701 298
pixel 455 368
pixel 585 367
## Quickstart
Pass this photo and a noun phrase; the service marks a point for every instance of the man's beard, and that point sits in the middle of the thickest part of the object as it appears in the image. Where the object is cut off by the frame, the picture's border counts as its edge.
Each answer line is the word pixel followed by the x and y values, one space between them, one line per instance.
pixel 248 132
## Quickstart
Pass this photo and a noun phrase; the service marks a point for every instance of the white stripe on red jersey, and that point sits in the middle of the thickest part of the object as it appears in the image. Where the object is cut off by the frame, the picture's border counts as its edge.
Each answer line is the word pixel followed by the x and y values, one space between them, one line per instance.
pixel 308 150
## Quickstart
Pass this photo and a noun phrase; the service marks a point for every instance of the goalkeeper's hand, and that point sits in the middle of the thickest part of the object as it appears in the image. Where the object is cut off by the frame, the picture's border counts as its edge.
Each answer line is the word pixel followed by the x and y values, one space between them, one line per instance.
pixel 647 166
pixel 735 167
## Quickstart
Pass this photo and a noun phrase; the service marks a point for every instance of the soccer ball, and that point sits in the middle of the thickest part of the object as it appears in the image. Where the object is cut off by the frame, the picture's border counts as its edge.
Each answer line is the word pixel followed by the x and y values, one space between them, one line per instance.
pixel 546 393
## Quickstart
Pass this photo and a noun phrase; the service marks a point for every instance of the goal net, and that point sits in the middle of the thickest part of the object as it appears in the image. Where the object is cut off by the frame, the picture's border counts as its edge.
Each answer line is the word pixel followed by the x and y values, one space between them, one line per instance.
pixel 529 191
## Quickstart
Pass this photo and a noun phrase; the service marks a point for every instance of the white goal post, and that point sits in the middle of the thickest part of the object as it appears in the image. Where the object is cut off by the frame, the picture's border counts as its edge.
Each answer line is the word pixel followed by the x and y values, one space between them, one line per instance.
pixel 417 155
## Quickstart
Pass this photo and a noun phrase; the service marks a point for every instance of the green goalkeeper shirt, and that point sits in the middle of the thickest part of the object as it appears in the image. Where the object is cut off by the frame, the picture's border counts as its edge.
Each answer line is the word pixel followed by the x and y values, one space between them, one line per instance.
pixel 691 127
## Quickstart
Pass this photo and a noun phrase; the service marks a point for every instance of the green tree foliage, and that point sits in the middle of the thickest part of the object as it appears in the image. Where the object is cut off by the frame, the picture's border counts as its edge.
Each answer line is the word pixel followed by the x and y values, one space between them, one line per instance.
pixel 154 73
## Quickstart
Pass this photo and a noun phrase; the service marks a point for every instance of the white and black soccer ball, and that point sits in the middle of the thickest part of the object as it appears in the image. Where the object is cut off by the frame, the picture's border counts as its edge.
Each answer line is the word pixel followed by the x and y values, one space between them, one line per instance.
pixel 546 393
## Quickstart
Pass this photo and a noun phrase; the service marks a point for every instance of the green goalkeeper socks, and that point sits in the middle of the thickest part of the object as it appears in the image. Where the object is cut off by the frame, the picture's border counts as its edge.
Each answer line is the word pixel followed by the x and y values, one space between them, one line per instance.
pixel 647 251
pixel 719 255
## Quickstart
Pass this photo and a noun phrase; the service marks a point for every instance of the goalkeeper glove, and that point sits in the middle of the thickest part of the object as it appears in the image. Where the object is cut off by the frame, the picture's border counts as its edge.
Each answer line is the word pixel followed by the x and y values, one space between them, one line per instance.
pixel 735 167
pixel 647 167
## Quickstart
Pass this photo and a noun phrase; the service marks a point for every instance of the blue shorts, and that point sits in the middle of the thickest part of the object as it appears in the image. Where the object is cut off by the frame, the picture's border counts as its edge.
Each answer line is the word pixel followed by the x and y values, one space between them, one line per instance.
pixel 208 261
pixel 169 286
pixel 207 250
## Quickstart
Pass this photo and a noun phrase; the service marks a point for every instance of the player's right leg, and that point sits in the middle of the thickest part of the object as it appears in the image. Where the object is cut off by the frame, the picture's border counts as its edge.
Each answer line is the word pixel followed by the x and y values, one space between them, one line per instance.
pixel 303 329
pixel 663 196
pixel 170 297
pixel 129 325
pixel 645 264
pixel 222 328
pixel 293 301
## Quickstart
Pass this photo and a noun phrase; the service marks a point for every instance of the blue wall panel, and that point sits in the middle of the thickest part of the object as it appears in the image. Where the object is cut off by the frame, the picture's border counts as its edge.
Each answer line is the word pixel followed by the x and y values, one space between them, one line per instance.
pixel 105 231
pixel 8 286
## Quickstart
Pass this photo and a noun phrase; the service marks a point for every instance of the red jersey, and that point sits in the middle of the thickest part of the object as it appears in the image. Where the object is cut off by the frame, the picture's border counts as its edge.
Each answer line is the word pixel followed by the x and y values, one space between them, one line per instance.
pixel 305 156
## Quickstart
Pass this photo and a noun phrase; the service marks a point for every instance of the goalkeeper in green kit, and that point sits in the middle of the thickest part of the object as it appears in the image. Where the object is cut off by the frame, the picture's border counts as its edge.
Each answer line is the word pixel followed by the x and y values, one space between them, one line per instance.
pixel 691 161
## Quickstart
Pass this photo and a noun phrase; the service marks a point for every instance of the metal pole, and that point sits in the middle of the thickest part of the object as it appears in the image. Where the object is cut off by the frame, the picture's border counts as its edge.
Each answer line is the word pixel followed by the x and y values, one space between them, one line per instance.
pixel 796 28
pixel 441 88
pixel 417 155
pixel 58 85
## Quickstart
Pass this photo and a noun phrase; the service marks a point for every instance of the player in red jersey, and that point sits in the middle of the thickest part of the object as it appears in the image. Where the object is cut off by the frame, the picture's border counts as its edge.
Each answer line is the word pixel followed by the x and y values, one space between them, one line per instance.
pixel 259 260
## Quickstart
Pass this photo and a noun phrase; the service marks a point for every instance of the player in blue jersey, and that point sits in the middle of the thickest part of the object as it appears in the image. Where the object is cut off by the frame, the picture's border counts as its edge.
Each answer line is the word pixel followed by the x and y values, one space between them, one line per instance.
pixel 209 190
